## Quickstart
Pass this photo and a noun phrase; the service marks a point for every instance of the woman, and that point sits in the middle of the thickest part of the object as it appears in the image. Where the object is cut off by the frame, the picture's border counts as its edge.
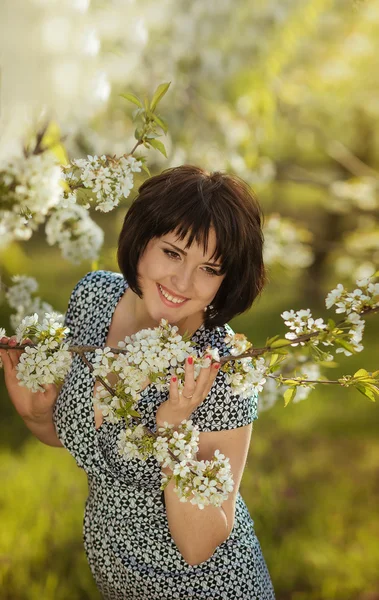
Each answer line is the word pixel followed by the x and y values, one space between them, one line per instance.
pixel 190 251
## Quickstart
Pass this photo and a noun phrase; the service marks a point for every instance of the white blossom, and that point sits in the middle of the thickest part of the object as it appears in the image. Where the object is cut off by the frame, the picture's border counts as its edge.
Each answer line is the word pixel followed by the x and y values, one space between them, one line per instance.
pixel 238 343
pixel 300 323
pixel 286 243
pixel 30 189
pixel 77 235
pixel 365 294
pixel 19 297
pixel 110 179
pixel 37 367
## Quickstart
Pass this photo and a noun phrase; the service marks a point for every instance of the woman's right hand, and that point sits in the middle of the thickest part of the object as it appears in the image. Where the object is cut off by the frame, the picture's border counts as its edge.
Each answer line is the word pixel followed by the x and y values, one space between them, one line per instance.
pixel 32 406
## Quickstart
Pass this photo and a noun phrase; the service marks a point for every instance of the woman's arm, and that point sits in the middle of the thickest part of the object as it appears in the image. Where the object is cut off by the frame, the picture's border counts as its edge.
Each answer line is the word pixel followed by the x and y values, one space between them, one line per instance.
pixel 35 408
pixel 197 533
pixel 44 430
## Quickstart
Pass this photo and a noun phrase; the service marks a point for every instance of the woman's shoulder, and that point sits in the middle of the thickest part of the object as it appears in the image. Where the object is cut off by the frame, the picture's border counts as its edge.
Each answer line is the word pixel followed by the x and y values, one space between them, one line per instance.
pixel 95 284
pixel 96 280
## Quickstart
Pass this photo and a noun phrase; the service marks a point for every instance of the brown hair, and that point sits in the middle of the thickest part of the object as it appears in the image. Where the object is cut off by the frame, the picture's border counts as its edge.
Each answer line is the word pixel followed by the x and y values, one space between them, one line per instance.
pixel 189 201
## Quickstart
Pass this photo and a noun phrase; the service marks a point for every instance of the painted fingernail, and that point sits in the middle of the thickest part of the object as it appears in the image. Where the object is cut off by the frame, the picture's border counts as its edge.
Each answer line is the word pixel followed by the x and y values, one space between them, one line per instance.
pixel 208 356
pixel 173 379
pixel 216 365
pixel 190 360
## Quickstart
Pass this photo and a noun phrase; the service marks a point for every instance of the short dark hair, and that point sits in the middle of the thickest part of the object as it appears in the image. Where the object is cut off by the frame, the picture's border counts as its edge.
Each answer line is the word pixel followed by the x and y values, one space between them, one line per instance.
pixel 189 200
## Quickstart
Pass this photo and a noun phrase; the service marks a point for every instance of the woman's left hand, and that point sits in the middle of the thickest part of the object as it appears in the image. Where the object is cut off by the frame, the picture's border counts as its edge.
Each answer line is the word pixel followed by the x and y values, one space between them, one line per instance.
pixel 181 404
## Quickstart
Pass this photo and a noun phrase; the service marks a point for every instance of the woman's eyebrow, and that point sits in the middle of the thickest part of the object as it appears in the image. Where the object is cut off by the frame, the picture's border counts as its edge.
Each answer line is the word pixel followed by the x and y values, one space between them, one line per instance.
pixel 210 264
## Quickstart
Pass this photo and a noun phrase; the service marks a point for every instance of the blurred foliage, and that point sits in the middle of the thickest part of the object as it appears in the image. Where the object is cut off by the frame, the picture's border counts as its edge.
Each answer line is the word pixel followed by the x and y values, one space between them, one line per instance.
pixel 285 95
pixel 41 550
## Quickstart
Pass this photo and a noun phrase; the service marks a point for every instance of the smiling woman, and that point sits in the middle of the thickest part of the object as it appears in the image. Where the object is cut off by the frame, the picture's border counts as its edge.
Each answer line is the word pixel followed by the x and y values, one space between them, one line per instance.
pixel 190 251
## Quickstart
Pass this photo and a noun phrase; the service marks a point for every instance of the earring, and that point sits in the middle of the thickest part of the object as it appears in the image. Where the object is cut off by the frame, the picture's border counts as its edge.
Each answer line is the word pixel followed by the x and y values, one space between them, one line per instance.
pixel 210 307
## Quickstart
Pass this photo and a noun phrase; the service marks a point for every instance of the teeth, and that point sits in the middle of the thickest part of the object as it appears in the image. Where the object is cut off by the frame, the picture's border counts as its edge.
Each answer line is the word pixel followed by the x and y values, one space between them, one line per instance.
pixel 171 298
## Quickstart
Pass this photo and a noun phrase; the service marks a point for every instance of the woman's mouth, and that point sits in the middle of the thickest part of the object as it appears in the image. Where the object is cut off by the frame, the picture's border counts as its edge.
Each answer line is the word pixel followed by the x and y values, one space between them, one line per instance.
pixel 170 299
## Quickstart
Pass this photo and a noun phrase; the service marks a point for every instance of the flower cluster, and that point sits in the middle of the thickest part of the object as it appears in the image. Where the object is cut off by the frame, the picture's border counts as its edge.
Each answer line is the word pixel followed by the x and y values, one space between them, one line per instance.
pixel 365 295
pixel 361 192
pixel 153 356
pixel 247 375
pixel 300 323
pixel 201 482
pixel 77 235
pixel 238 343
pixel 109 179
pixel 183 443
pixel 135 443
pixel 48 361
pixel 159 353
pixel 205 483
pixel 30 188
pixel 19 297
pixel 354 335
pixel 286 243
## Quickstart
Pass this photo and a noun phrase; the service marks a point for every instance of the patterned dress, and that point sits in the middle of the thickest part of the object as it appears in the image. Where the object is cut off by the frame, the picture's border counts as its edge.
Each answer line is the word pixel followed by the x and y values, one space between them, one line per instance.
pixel 130 550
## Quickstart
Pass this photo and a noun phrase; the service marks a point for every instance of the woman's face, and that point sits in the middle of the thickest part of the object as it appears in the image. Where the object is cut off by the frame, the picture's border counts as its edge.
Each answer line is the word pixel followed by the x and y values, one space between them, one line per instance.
pixel 176 283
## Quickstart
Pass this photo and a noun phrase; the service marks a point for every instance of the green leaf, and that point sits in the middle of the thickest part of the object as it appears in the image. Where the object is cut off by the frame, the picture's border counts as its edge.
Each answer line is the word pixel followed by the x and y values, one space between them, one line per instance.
pixel 132 98
pixel 134 413
pixel 270 340
pixel 329 364
pixel 159 121
pixel 273 359
pixel 158 94
pixel 289 395
pixel 346 345
pixel 145 168
pixel 158 146
pixel 280 342
pixel 361 373
pixel 365 390
pixel 138 133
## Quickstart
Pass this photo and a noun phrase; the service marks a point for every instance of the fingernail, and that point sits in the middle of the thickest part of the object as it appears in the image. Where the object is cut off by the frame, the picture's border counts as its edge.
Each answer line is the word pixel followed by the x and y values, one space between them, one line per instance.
pixel 190 360
pixel 208 356
pixel 216 365
pixel 173 379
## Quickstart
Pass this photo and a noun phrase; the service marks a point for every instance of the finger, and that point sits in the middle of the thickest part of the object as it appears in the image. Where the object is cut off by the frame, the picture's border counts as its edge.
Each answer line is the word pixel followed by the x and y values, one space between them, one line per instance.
pixel 7 365
pixel 189 378
pixel 174 391
pixel 214 371
pixel 14 355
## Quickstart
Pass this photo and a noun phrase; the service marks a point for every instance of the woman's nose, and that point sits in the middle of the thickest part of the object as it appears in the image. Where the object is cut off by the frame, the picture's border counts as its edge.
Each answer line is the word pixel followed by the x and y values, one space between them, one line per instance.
pixel 182 281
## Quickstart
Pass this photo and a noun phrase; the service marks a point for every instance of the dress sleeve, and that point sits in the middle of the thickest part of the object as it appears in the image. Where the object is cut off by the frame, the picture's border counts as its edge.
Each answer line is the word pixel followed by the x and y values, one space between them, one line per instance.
pixel 222 409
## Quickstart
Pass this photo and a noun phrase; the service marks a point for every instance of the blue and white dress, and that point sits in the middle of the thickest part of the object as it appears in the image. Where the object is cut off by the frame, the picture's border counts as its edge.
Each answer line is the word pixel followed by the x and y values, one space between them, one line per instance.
pixel 130 550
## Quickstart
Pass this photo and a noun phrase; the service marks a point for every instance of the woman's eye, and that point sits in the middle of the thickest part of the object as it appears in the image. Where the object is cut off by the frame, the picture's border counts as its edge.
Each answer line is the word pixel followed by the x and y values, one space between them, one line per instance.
pixel 174 256
pixel 211 271
pixel 171 253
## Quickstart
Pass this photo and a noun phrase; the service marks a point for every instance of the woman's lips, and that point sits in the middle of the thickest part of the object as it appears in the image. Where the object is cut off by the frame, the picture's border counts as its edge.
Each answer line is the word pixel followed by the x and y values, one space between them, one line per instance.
pixel 168 302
